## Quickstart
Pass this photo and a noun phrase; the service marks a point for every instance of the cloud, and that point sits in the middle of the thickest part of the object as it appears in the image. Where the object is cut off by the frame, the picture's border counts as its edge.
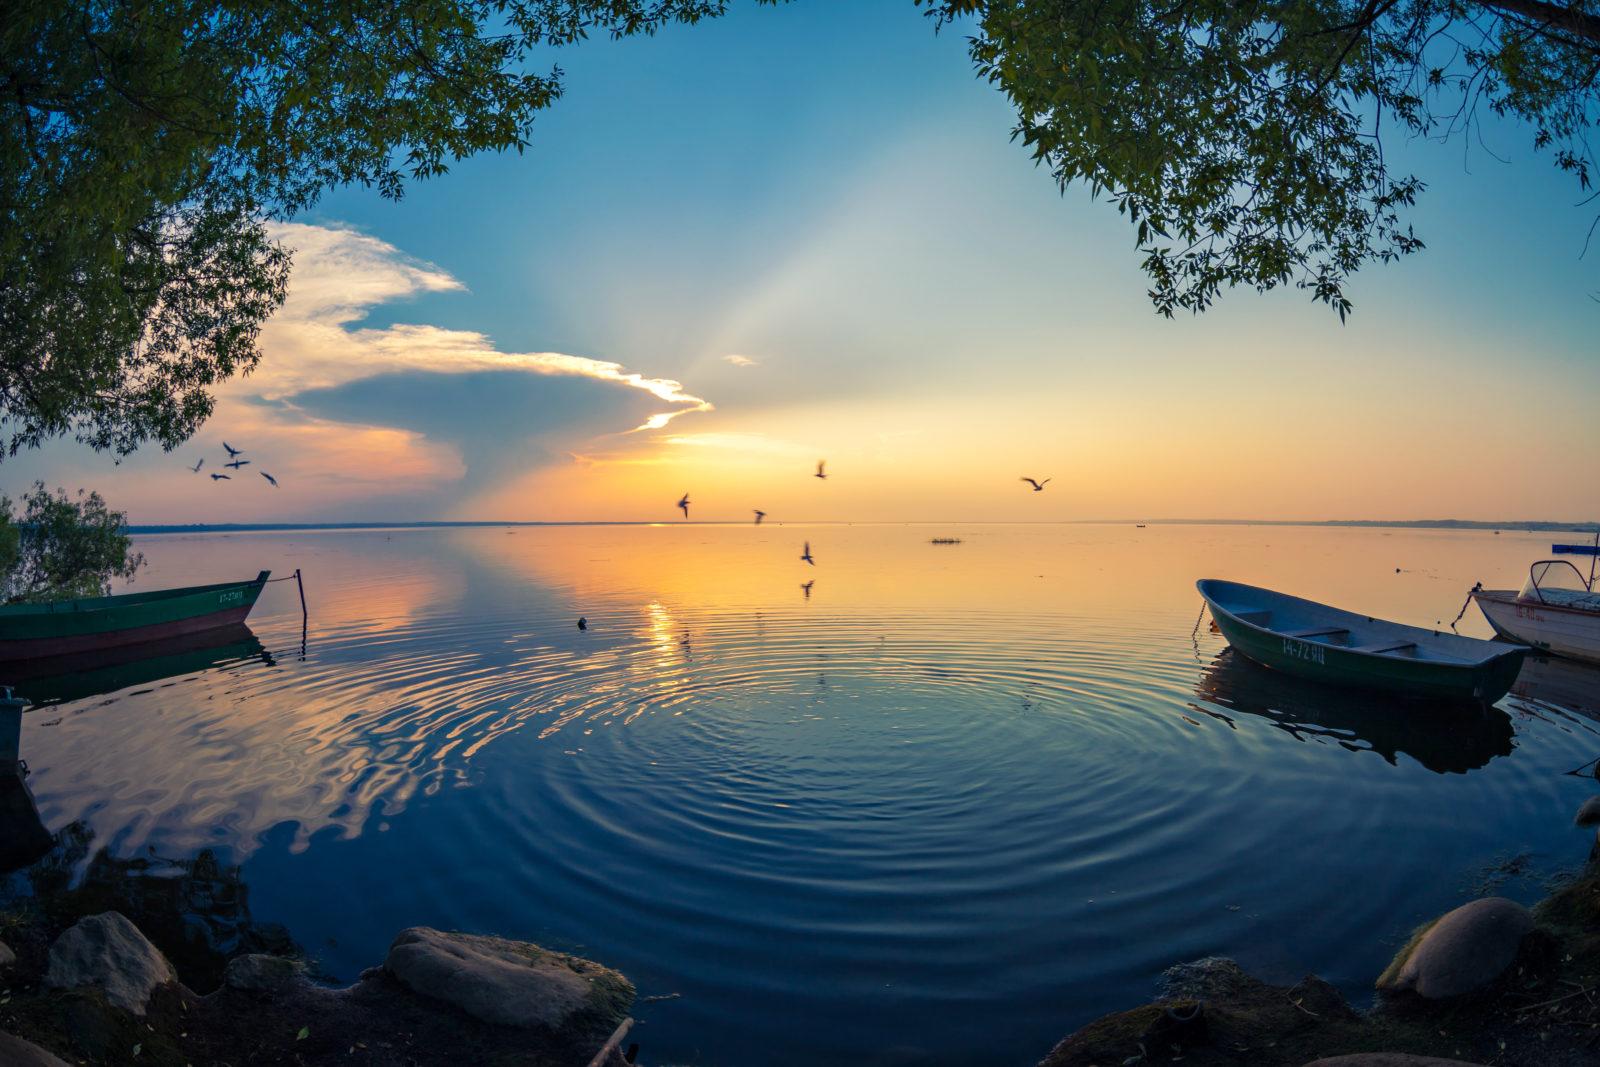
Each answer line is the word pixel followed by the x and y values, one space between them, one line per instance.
pixel 345 413
pixel 740 361
pixel 339 274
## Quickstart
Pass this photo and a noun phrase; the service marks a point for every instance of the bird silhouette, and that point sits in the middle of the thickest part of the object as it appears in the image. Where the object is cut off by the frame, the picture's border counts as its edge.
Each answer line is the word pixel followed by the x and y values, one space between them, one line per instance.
pixel 821 463
pixel 683 502
pixel 222 478
pixel 197 466
pixel 1038 487
pixel 232 451
pixel 759 515
pixel 806 587
pixel 270 479
pixel 583 624
pixel 806 555
pixel 236 464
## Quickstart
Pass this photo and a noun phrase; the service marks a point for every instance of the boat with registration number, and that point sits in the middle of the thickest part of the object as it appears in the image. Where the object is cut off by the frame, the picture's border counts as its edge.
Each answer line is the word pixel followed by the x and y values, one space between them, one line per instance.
pixel 1328 644
pixel 92 624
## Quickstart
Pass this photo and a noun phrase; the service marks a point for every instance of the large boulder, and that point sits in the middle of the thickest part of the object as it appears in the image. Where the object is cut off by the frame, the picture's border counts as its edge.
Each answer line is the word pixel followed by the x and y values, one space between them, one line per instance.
pixel 15 1052
pixel 7 957
pixel 509 983
pixel 108 953
pixel 1463 951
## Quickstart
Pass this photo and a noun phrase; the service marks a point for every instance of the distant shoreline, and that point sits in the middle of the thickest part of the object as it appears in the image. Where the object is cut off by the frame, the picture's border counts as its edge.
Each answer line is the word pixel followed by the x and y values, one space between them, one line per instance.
pixel 1522 526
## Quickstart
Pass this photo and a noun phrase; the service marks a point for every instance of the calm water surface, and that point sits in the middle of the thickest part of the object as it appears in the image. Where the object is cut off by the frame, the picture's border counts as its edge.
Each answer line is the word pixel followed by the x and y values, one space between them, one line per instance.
pixel 951 806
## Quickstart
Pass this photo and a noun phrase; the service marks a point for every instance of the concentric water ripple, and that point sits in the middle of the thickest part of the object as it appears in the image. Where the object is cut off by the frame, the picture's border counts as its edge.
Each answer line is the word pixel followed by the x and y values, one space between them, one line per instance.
pixel 943 824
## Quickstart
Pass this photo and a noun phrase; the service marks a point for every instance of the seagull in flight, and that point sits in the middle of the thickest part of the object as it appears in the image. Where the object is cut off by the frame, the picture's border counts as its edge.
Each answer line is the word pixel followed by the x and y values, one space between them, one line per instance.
pixel 197 466
pixel 821 463
pixel 222 478
pixel 270 479
pixel 806 586
pixel 232 451
pixel 806 555
pixel 683 502
pixel 236 464
pixel 1038 487
pixel 759 515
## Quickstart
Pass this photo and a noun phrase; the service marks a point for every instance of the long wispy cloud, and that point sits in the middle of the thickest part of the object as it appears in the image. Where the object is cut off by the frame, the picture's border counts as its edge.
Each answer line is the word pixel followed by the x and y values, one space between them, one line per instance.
pixel 312 343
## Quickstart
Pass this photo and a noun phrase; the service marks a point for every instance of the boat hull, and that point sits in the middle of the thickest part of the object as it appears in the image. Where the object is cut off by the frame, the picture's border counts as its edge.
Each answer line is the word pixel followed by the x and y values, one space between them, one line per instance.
pixel 1561 631
pixel 1486 679
pixel 86 626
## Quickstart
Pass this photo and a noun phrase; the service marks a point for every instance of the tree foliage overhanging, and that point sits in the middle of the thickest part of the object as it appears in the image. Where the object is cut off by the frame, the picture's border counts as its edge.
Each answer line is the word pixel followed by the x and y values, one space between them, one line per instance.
pixel 1245 138
pixel 145 143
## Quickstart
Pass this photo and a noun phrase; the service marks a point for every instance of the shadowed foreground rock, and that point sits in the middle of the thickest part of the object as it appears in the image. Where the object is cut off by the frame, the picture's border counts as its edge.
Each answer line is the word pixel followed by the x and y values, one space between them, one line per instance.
pixel 15 1052
pixel 510 983
pixel 107 953
pixel 548 1009
pixel 1461 951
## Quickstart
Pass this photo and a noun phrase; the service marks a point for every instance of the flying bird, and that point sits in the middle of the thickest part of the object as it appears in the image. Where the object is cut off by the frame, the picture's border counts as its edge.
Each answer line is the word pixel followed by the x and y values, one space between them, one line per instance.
pixel 821 463
pixel 806 555
pixel 222 478
pixel 270 479
pixel 1038 487
pixel 683 502
pixel 807 587
pixel 197 466
pixel 232 451
pixel 236 464
pixel 759 515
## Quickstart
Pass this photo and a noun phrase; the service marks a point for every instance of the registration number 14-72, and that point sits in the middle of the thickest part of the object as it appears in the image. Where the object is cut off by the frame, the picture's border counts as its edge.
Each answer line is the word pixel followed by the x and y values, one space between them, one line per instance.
pixel 1305 650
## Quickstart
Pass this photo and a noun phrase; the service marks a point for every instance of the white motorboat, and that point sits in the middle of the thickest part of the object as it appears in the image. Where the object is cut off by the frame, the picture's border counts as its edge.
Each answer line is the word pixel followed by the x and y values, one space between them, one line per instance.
pixel 1557 610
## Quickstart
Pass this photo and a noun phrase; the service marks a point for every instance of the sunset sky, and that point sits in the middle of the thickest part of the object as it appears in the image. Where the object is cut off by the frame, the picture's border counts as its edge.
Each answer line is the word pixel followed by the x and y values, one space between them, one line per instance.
pixel 804 232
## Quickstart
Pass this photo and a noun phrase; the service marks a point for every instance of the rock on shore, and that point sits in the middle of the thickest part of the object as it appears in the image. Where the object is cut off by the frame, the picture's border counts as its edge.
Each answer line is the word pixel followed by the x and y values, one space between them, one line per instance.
pixel 107 953
pixel 509 983
pixel 1460 952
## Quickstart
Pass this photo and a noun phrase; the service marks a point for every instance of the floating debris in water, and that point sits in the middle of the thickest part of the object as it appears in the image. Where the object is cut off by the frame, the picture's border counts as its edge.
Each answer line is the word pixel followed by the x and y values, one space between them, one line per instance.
pixel 945 541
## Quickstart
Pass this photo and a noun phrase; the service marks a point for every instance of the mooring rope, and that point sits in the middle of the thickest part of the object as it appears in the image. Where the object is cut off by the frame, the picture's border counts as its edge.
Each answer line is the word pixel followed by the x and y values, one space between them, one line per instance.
pixel 1197 620
pixel 1465 604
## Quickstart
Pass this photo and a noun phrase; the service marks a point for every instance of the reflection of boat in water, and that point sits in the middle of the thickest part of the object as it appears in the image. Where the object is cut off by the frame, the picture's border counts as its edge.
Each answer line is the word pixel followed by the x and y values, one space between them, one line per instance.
pixel 95 624
pixel 1444 740
pixel 63 678
pixel 1561 683
pixel 1337 647
pixel 1557 610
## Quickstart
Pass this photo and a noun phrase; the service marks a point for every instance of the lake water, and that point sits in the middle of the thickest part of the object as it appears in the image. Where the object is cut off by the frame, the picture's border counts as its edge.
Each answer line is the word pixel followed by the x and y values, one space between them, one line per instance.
pixel 944 809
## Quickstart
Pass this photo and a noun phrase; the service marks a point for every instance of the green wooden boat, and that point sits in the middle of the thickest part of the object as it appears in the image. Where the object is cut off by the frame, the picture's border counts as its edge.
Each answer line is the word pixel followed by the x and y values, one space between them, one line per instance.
pixel 70 627
pixel 1326 644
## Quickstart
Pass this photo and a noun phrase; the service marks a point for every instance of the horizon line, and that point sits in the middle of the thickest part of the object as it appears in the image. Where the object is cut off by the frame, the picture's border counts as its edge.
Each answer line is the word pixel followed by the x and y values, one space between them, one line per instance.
pixel 1518 525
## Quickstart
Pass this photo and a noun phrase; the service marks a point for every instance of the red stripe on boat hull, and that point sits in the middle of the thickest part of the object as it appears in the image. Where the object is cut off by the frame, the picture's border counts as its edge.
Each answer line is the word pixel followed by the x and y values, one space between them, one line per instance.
pixel 45 647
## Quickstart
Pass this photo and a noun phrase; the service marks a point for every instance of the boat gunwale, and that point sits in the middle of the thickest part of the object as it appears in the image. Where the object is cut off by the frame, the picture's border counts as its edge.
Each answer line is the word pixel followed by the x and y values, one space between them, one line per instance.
pixel 121 600
pixel 1508 596
pixel 1450 662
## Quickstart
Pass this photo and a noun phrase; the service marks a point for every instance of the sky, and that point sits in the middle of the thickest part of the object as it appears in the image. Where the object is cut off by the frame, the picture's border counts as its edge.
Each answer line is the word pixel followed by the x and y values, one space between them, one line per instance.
pixel 804 232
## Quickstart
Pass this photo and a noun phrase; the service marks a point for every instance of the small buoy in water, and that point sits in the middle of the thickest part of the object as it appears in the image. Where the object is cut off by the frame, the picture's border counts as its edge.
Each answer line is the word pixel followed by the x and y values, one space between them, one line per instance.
pixel 583 624
pixel 1397 570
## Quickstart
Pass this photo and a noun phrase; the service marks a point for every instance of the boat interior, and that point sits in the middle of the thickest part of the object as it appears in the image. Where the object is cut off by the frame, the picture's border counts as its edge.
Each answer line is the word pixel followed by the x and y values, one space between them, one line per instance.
pixel 1305 620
